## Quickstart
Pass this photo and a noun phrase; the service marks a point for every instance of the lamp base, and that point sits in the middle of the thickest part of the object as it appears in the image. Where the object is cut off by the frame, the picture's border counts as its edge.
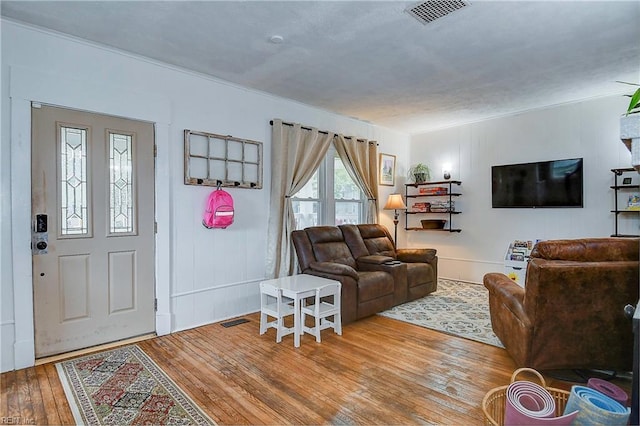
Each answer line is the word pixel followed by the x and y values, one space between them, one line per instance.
pixel 395 230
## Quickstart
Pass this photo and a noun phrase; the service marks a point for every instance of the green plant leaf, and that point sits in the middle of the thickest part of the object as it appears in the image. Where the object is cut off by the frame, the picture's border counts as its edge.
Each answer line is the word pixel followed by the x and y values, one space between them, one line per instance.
pixel 635 102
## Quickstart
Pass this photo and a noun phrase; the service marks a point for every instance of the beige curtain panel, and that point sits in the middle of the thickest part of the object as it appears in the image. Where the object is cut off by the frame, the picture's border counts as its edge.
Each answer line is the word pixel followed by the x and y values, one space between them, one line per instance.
pixel 296 153
pixel 360 158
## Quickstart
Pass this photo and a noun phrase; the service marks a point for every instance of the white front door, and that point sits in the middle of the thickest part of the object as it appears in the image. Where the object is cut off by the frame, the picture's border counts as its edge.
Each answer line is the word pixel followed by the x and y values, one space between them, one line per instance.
pixel 93 226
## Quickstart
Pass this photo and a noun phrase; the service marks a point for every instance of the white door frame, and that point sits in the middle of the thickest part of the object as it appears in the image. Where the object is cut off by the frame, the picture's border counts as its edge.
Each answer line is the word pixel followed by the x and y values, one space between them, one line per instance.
pixel 27 86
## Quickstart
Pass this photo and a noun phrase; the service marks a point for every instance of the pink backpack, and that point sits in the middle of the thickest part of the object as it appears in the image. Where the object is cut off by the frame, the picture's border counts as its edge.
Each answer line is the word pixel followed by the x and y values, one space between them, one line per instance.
pixel 219 211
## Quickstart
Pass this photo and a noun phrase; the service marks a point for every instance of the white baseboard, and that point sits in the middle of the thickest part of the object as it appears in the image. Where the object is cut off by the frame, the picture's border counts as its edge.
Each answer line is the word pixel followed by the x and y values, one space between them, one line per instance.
pixel 25 354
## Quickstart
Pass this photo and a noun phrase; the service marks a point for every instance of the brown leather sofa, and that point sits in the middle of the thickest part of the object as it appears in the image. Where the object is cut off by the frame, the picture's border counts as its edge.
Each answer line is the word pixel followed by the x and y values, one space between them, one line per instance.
pixel 569 315
pixel 374 276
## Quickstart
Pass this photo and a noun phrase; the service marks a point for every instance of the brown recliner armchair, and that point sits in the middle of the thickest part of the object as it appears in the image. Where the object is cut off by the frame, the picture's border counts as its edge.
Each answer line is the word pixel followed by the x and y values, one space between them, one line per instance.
pixel 322 251
pixel 569 315
pixel 372 244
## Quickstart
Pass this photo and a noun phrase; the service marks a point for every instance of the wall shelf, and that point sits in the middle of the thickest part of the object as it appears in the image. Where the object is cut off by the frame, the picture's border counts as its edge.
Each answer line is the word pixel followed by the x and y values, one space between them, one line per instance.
pixel 618 190
pixel 441 230
pixel 441 192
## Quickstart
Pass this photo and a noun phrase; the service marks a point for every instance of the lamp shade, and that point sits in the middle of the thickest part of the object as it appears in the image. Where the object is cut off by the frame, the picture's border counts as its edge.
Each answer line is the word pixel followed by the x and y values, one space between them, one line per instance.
pixel 394 202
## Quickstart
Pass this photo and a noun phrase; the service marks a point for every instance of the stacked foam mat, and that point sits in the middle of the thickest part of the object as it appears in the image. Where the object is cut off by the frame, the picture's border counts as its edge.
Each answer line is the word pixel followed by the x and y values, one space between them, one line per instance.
pixel 528 403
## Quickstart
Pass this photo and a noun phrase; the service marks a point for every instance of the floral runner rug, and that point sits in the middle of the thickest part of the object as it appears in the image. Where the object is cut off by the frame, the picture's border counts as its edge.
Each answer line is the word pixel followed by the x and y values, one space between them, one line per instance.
pixel 124 386
pixel 457 308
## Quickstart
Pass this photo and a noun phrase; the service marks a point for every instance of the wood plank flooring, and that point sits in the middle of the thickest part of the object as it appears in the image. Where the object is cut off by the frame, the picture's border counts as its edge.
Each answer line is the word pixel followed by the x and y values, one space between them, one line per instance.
pixel 380 371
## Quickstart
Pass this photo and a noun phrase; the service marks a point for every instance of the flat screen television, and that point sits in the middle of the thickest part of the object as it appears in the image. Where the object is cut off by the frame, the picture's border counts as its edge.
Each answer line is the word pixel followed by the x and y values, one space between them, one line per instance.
pixel 555 183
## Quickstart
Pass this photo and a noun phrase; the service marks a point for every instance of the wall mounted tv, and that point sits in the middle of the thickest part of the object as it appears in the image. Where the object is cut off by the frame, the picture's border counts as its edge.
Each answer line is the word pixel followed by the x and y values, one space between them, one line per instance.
pixel 555 183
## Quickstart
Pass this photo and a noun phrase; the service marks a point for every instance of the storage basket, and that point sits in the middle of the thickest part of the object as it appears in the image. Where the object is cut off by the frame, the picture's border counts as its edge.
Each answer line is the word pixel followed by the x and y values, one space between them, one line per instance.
pixel 433 223
pixel 494 402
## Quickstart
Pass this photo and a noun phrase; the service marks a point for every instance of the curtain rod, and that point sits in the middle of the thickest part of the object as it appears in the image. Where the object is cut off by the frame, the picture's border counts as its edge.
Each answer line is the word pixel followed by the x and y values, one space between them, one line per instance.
pixel 322 131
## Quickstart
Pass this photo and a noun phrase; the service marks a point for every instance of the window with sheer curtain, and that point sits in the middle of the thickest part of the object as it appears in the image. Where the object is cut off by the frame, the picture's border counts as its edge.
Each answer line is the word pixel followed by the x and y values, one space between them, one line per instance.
pixel 330 197
pixel 310 187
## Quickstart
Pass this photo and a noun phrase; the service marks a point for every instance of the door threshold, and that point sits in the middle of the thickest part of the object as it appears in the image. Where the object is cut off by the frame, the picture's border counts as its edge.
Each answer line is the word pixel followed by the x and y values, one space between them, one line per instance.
pixel 85 351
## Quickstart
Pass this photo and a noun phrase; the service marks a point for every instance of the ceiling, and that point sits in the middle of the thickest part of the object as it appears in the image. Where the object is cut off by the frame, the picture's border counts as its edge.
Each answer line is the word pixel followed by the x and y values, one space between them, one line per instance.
pixel 371 60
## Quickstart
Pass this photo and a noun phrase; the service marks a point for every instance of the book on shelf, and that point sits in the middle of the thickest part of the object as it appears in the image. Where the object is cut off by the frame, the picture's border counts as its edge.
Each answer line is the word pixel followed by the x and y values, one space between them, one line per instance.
pixel 519 250
pixel 517 255
pixel 516 258
pixel 421 207
pixel 434 190
pixel 523 244
pixel 443 206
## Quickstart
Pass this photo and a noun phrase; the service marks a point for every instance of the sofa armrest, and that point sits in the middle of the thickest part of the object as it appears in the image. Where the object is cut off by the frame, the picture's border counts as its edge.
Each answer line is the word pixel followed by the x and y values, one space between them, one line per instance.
pixel 507 293
pixel 416 255
pixel 334 269
pixel 374 259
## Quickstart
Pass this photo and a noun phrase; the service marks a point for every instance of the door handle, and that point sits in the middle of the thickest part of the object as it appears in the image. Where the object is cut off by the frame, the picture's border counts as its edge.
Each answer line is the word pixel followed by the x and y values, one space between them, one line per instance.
pixel 40 236
pixel 629 310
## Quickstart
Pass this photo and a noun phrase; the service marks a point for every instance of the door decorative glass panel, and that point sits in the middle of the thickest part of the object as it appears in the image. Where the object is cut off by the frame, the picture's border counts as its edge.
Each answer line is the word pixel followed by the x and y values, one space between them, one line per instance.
pixel 74 219
pixel 121 208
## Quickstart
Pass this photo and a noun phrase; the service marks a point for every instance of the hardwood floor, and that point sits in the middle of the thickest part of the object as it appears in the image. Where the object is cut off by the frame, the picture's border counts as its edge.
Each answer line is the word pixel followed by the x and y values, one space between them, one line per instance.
pixel 380 371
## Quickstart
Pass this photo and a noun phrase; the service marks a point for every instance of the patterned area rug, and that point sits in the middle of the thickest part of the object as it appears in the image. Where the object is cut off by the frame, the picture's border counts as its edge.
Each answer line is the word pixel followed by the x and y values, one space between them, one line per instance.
pixel 125 387
pixel 457 308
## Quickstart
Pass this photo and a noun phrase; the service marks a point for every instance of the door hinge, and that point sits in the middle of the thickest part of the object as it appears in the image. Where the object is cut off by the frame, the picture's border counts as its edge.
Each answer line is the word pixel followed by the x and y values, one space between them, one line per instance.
pixel 155 305
pixel 155 150
pixel 155 227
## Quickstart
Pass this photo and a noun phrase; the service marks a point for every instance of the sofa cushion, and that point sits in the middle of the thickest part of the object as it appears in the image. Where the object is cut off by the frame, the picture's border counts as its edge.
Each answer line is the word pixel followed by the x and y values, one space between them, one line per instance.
pixel 329 246
pixel 354 240
pixel 377 240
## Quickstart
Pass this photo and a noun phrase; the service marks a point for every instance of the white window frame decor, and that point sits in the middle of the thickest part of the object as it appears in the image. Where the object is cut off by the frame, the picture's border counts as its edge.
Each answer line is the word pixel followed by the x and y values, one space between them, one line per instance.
pixel 222 160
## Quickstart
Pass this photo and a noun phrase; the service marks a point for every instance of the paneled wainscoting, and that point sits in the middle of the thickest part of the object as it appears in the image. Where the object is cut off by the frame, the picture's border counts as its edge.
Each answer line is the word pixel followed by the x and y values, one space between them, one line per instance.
pixel 381 371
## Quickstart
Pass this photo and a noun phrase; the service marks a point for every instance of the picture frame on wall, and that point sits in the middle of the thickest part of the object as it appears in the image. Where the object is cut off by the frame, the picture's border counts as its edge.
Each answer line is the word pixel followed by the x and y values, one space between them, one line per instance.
pixel 387 169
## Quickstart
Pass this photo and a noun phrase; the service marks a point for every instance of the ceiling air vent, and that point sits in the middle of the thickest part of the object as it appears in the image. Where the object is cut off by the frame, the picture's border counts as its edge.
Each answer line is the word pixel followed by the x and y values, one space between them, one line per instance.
pixel 429 11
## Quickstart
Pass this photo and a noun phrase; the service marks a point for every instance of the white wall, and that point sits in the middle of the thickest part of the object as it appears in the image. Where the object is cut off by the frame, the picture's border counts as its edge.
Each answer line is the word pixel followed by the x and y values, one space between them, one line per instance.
pixel 210 275
pixel 588 129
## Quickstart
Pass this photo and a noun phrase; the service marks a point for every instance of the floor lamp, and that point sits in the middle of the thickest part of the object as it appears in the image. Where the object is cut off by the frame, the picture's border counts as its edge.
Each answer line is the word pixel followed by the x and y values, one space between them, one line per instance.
pixel 395 203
